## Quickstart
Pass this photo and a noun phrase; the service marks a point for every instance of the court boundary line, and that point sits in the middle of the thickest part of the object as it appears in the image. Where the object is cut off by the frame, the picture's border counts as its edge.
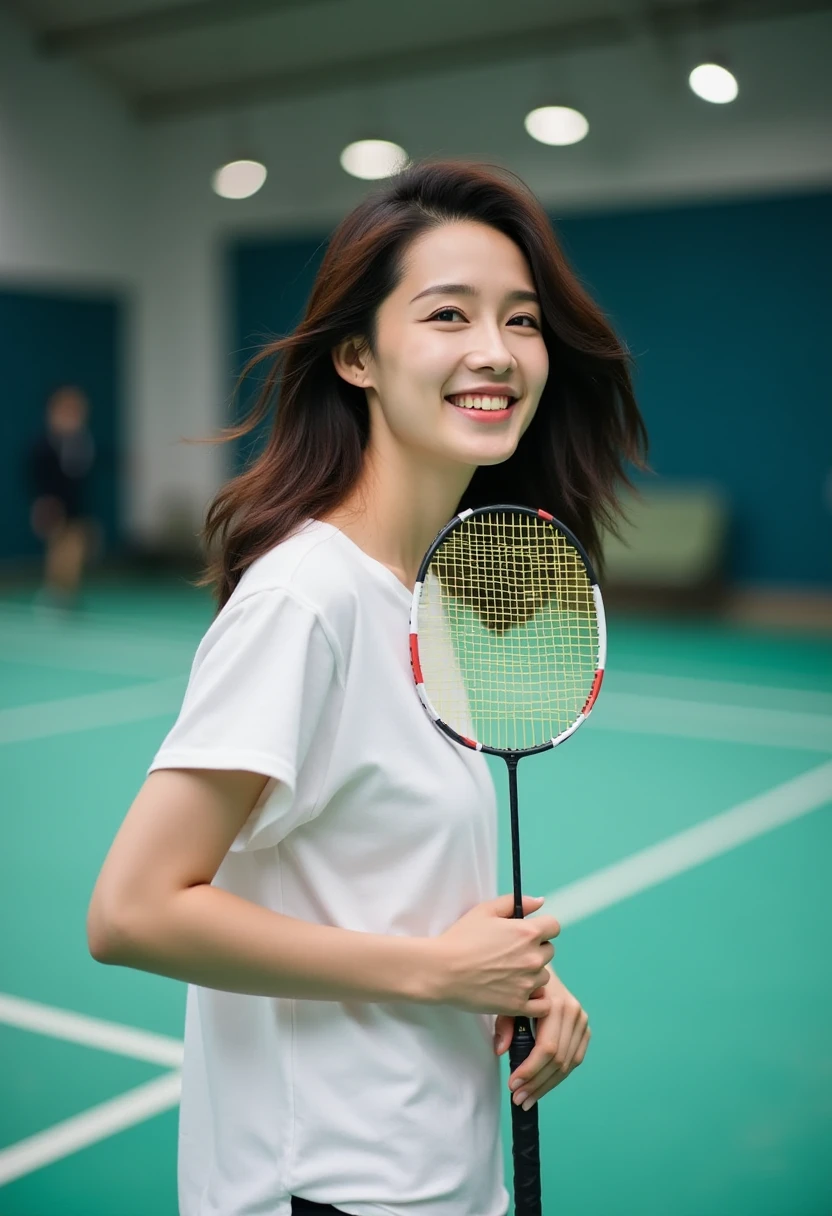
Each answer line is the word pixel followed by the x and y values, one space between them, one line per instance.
pixel 87 1031
pixel 90 1127
pixel 633 713
pixel 137 702
pixel 187 640
pixel 685 850
pixel 641 871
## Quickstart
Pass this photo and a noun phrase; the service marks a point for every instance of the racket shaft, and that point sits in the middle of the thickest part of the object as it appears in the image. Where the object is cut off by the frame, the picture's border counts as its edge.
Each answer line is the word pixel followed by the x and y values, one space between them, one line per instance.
pixel 525 1136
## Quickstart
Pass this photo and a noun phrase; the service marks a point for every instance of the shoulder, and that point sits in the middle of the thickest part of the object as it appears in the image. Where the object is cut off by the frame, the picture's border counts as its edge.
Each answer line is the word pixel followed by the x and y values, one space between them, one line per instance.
pixel 312 569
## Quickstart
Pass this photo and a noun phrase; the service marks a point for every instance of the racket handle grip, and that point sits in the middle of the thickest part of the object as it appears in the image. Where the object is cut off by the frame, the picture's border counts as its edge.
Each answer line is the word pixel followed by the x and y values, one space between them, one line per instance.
pixel 525 1135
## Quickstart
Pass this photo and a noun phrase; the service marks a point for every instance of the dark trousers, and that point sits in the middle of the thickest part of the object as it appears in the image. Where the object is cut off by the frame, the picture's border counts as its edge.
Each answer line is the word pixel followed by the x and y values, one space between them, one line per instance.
pixel 305 1207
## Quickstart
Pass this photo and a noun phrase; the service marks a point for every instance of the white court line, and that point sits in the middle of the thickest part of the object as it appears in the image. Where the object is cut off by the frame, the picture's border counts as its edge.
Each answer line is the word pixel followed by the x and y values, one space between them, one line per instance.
pixel 649 867
pixel 179 638
pixel 88 1128
pixel 90 655
pixel 569 904
pixel 724 691
pixel 92 710
pixel 709 720
pixel 113 624
pixel 629 712
pixel 92 651
pixel 90 1032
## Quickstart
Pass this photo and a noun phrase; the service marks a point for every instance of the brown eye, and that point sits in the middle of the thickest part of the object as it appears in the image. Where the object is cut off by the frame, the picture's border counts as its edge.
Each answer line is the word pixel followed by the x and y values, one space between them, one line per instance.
pixel 437 316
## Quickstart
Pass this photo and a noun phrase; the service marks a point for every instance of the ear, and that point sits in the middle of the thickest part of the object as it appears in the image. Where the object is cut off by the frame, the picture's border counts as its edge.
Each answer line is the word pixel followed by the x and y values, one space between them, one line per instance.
pixel 350 358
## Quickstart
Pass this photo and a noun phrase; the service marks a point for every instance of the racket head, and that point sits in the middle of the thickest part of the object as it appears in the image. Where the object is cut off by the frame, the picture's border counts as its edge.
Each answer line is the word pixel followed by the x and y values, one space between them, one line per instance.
pixel 507 631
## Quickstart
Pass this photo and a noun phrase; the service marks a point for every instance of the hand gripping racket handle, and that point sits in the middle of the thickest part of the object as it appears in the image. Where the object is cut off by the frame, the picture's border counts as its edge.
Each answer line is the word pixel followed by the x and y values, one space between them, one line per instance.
pixel 525 1137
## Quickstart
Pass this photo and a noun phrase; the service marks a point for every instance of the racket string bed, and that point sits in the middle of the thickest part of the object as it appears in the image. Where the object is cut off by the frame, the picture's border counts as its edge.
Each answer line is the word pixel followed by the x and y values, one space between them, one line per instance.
pixel 513 605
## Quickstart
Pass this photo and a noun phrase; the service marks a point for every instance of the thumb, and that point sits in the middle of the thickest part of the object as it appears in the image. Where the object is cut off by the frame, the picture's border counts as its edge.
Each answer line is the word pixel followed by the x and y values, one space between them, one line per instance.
pixel 503 905
pixel 503 1033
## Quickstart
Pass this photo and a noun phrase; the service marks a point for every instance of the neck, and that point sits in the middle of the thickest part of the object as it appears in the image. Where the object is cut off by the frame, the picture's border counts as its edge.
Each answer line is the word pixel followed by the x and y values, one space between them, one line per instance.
pixel 400 503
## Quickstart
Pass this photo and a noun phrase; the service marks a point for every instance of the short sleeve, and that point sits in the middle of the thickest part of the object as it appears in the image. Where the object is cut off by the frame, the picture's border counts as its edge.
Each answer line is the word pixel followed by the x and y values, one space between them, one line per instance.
pixel 263 679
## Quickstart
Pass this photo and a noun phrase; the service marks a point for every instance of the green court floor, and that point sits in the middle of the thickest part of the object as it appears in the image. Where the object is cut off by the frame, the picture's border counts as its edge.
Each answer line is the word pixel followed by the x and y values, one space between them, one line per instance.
pixel 684 837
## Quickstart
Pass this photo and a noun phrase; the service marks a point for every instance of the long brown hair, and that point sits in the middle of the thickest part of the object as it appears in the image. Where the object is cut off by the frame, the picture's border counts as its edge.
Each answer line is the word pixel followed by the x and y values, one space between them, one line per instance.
pixel 571 459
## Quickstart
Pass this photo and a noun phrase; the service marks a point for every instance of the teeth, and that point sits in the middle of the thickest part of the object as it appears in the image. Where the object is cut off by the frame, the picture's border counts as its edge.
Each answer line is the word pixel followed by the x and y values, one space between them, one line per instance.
pixel 481 403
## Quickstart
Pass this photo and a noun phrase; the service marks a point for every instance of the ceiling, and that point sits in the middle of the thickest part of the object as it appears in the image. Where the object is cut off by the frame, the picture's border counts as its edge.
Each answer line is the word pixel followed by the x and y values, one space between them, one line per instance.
pixel 170 58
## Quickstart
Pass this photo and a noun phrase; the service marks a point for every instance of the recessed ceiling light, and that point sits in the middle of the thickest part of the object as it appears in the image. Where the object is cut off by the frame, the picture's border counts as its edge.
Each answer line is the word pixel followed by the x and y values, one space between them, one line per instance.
pixel 371 159
pixel 239 179
pixel 713 82
pixel 559 125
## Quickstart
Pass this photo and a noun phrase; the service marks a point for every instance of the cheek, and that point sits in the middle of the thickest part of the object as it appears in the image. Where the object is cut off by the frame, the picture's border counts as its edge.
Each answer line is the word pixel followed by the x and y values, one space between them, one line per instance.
pixel 417 364
pixel 541 368
pixel 537 376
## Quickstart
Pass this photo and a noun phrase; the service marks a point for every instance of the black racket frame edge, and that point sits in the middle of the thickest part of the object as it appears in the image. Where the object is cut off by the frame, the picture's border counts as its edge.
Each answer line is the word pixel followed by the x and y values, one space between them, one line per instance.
pixel 525 1133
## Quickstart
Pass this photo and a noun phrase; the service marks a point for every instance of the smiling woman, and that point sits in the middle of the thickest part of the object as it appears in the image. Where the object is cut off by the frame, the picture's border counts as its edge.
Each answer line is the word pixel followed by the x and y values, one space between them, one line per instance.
pixel 308 852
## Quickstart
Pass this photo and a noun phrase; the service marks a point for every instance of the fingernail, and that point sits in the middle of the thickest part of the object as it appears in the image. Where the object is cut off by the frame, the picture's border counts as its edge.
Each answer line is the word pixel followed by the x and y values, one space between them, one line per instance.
pixel 520 1098
pixel 516 1083
pixel 529 1104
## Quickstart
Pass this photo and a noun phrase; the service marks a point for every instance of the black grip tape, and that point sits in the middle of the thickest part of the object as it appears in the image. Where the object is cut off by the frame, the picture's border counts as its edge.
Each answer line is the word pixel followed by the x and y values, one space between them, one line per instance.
pixel 525 1135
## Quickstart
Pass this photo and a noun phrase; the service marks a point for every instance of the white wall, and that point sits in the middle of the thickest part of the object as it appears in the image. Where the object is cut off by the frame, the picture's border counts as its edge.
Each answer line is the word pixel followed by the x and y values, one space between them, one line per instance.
pixel 87 196
pixel 68 173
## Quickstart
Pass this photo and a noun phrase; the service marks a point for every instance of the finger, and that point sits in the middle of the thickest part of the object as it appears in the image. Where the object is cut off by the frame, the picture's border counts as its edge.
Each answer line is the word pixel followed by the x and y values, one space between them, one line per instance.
pixel 540 1056
pixel 576 1039
pixel 525 1077
pixel 552 1076
pixel 567 1029
pixel 503 1033
pixel 536 1007
pixel 503 905
pixel 582 1049
pixel 546 926
pixel 547 1079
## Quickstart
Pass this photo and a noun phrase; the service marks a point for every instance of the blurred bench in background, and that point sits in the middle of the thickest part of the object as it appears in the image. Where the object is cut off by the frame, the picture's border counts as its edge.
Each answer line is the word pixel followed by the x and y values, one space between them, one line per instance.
pixel 672 550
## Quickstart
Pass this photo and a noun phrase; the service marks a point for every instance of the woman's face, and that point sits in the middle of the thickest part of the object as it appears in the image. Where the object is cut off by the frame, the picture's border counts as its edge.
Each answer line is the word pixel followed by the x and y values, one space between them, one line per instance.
pixel 464 318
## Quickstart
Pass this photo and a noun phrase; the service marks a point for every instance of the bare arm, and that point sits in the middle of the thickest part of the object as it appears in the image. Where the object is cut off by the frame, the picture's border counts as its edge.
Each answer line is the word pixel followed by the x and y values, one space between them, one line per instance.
pixel 153 907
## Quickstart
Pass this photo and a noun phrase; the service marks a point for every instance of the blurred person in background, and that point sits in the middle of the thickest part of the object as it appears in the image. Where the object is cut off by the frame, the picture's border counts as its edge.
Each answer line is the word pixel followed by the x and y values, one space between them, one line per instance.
pixel 61 464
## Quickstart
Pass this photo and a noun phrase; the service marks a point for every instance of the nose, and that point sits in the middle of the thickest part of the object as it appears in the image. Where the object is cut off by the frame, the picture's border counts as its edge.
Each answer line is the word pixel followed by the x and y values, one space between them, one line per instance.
pixel 491 352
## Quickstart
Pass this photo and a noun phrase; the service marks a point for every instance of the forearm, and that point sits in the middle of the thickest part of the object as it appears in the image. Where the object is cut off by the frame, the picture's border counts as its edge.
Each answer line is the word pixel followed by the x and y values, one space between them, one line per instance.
pixel 207 936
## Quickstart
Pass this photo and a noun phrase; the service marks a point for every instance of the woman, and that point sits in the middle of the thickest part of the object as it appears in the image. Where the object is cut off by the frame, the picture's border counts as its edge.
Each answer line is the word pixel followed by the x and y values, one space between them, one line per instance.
pixel 308 852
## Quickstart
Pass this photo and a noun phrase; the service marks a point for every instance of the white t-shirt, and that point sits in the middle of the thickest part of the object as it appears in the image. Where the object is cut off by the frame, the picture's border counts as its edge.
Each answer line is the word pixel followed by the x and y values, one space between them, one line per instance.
pixel 374 821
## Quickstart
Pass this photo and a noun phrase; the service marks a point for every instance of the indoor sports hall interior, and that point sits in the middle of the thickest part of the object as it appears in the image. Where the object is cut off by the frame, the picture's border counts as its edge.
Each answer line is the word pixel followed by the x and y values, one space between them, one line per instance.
pixel 169 176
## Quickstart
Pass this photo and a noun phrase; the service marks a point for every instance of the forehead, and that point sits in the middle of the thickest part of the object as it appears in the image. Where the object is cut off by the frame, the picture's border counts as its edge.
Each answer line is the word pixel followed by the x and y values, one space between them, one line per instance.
pixel 465 252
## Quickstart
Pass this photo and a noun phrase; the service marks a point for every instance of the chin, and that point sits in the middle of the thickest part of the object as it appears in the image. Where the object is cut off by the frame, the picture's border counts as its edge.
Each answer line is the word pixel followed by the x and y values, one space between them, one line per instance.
pixel 485 454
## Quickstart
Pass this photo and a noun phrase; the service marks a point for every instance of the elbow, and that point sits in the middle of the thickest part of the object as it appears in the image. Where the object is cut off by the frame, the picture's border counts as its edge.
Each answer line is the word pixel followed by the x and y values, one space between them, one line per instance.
pixel 111 937
pixel 102 938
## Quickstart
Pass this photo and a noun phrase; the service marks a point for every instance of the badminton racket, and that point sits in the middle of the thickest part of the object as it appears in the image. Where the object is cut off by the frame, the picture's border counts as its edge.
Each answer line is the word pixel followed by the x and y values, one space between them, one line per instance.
pixel 507 646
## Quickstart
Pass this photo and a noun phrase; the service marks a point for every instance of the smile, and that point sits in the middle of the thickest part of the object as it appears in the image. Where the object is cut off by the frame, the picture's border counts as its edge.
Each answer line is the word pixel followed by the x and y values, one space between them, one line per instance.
pixel 486 408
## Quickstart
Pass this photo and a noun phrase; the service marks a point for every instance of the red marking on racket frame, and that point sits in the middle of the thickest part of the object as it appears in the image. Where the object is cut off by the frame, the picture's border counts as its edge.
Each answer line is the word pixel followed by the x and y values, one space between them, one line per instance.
pixel 470 742
pixel 545 515
pixel 414 658
pixel 593 692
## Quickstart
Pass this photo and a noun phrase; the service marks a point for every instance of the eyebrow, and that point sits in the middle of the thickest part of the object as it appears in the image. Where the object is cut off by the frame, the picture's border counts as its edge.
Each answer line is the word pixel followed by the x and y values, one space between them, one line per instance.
pixel 465 289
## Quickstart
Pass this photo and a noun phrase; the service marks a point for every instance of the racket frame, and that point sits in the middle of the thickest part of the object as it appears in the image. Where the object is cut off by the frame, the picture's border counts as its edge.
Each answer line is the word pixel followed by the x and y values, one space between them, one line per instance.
pixel 600 618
